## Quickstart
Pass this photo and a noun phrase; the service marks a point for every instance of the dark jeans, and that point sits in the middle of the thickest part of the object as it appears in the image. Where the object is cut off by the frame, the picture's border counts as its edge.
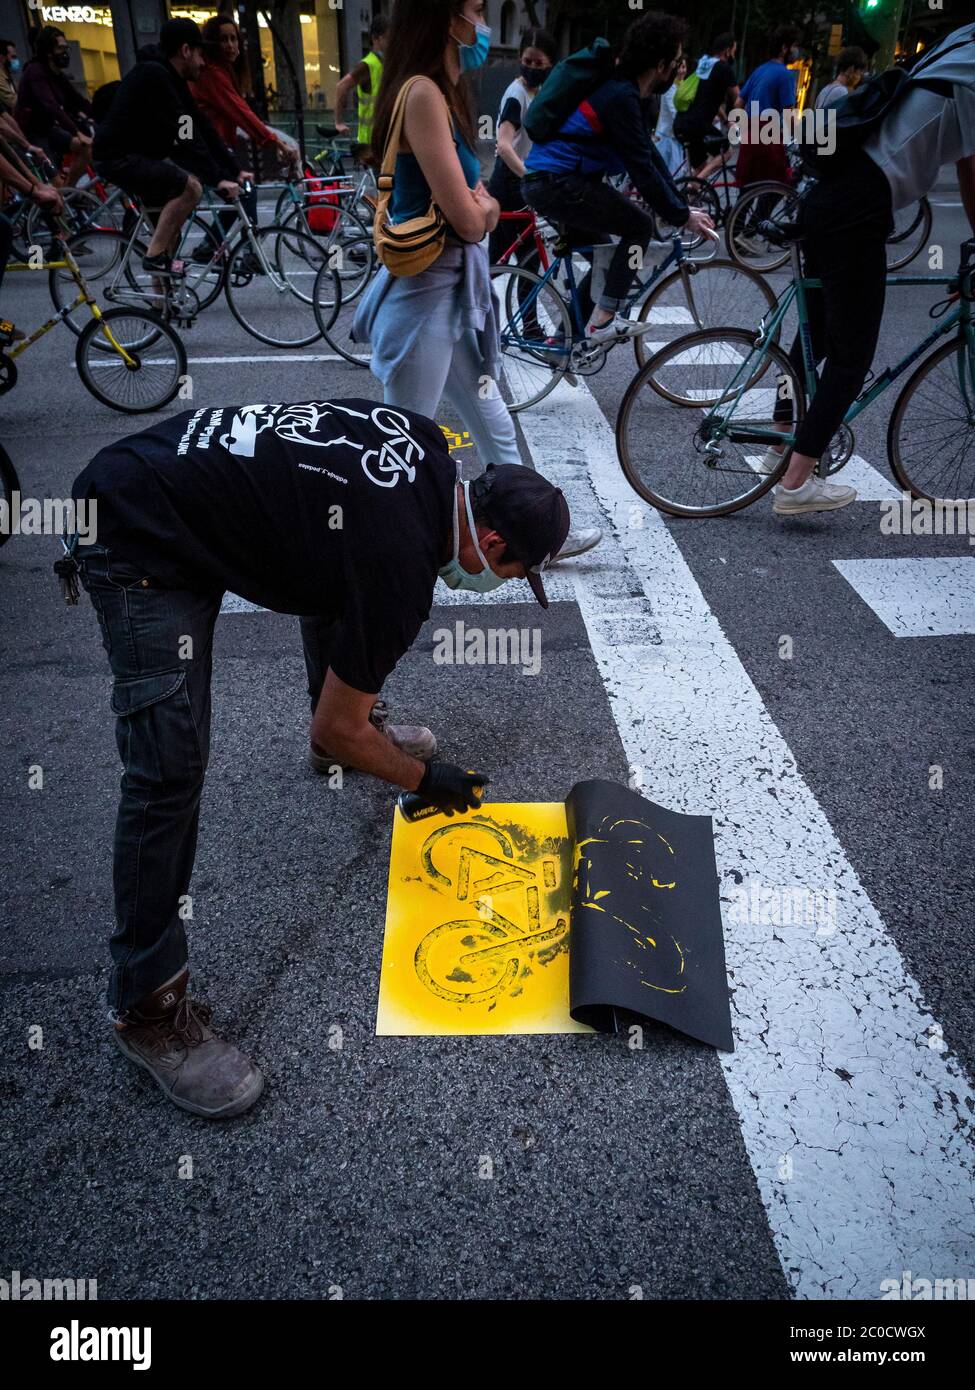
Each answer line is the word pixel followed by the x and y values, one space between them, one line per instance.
pixel 847 221
pixel 506 187
pixel 317 639
pixel 159 645
pixel 590 208
pixel 6 241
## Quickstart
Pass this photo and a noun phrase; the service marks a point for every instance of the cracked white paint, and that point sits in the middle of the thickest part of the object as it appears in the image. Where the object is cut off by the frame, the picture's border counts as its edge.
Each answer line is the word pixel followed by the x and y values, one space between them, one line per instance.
pixel 856 1123
pixel 917 597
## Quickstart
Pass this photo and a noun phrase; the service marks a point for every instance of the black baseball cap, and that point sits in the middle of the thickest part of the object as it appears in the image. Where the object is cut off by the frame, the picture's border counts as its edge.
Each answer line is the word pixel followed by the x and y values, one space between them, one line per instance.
pixel 531 515
pixel 175 32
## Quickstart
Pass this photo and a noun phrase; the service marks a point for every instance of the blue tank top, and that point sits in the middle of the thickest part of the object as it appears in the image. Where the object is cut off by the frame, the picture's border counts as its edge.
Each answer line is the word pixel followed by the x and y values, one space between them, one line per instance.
pixel 411 192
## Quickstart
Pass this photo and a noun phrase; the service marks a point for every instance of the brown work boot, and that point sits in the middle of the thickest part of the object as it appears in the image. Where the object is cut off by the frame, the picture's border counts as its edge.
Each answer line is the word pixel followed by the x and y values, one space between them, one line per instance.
pixel 414 739
pixel 169 1035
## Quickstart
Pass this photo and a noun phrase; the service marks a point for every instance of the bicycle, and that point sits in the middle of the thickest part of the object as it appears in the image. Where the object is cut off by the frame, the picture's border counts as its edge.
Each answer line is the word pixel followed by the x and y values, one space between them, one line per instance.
pixel 329 175
pixel 690 423
pixel 777 203
pixel 128 358
pixel 260 270
pixel 543 332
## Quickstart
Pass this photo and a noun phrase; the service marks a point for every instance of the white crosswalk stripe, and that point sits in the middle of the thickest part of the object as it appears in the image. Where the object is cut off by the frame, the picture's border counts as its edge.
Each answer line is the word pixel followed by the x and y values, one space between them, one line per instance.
pixel 917 597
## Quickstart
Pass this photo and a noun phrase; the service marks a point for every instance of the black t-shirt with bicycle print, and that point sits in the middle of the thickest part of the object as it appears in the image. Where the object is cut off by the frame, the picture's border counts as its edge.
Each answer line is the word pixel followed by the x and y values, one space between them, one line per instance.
pixel 332 508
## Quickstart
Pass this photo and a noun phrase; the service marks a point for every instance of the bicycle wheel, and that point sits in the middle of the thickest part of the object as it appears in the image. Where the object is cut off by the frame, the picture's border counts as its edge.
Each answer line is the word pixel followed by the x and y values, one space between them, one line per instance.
pixel 270 285
pixel 760 202
pixel 350 248
pixel 912 231
pixel 536 336
pixel 157 366
pixel 698 193
pixel 335 318
pixel 9 484
pixel 696 295
pixel 931 437
pixel 81 210
pixel 695 450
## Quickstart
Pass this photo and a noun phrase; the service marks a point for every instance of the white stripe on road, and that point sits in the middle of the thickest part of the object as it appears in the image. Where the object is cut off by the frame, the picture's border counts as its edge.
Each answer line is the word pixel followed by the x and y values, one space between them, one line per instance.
pixel 559 588
pixel 854 1119
pixel 916 597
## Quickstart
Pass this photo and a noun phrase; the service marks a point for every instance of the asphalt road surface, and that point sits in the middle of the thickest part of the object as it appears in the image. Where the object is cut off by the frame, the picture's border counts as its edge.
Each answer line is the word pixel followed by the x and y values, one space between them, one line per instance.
pixel 827 1154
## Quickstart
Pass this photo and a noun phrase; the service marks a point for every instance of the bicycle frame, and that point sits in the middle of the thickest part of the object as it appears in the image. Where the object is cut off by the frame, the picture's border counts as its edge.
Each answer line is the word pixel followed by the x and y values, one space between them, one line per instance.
pixel 716 420
pixel 530 231
pixel 83 297
pixel 675 257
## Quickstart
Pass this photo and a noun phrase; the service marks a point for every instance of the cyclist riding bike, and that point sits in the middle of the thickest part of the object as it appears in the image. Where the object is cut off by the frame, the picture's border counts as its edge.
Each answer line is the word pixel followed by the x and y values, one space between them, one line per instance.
pixel 717 91
pixel 845 219
pixel 606 134
pixel 156 144
pixel 50 110
pixel 14 174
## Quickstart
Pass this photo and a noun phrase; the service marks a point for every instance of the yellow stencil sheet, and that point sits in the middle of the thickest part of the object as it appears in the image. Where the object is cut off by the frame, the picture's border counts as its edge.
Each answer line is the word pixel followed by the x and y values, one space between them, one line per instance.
pixel 477 923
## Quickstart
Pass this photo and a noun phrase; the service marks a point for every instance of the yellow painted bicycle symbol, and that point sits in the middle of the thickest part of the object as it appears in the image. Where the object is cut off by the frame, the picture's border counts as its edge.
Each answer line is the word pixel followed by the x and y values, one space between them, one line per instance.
pixel 476 959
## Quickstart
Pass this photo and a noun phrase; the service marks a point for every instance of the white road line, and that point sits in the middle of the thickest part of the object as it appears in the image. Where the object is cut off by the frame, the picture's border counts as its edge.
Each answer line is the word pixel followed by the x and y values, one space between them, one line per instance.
pixel 855 1121
pixel 917 597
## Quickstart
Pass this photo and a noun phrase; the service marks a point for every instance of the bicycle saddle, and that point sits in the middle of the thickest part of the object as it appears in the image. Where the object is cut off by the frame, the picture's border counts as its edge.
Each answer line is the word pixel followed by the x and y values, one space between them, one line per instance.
pixel 328 132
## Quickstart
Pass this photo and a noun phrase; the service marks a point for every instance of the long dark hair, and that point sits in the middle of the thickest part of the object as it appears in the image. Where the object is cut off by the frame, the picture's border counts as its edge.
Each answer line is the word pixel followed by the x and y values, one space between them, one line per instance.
pixel 211 47
pixel 415 43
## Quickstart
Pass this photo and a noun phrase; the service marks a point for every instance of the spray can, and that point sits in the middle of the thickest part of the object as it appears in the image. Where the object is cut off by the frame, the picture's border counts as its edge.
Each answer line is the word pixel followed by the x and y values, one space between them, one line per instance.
pixel 413 807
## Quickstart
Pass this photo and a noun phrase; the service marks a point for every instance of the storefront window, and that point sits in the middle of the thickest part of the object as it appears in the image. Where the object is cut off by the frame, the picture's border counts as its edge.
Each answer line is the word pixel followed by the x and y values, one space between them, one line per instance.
pixel 90 27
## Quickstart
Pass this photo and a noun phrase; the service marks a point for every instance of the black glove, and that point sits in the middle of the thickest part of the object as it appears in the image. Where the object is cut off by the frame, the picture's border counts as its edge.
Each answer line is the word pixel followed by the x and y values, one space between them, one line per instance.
pixel 451 788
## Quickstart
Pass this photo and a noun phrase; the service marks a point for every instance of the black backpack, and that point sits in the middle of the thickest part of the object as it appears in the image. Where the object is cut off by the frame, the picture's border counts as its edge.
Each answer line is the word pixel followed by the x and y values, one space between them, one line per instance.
pixel 569 83
pixel 864 110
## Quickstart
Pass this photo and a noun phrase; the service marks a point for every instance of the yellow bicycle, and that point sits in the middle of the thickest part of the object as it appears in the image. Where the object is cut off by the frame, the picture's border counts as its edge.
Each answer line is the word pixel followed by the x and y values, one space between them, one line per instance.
pixel 128 358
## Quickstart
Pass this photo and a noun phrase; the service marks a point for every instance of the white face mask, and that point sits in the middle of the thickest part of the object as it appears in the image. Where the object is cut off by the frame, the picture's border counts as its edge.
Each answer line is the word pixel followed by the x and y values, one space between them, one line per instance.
pixel 453 573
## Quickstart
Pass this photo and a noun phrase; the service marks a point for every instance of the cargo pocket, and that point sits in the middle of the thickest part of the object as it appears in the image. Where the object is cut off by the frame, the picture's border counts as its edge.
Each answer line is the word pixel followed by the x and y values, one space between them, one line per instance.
pixel 157 736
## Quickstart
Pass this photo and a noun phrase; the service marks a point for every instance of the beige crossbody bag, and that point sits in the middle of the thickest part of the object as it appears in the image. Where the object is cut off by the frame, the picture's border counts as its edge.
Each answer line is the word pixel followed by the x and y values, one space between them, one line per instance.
pixel 404 248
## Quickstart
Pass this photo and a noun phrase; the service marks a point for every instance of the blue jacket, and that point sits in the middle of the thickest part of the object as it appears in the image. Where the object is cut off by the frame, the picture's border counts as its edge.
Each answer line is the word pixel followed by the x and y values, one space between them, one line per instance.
pixel 606 134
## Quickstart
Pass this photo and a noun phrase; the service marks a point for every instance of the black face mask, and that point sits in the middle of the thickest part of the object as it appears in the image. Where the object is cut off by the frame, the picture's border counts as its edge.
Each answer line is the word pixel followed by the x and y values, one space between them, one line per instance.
pixel 533 77
pixel 62 60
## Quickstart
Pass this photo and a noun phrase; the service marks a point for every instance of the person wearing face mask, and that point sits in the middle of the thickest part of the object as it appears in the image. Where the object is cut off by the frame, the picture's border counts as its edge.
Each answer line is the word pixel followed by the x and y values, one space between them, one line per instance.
pixel 436 334
pixel 50 110
pixel 536 56
pixel 345 512
pixel 607 134
pixel 9 70
pixel 771 87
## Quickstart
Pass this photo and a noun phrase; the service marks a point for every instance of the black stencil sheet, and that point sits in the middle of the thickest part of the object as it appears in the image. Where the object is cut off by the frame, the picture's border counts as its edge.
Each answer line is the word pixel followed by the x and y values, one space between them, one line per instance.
pixel 645 919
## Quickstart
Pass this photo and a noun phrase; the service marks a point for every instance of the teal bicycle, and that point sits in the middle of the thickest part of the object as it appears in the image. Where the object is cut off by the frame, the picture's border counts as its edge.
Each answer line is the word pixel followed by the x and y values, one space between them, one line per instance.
pixel 697 425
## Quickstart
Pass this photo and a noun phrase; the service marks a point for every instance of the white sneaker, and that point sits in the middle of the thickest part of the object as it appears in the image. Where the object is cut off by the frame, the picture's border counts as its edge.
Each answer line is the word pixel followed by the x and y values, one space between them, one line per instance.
pixel 618 328
pixel 578 542
pixel 813 496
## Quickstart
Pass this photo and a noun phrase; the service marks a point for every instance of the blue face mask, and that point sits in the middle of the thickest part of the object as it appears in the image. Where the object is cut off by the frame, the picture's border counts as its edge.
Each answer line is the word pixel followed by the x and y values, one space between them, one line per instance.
pixel 453 573
pixel 15 65
pixel 472 55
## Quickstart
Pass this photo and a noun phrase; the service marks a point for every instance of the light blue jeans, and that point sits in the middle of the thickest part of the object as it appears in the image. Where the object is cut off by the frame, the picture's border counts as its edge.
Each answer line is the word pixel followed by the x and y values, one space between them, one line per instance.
pixel 438 367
